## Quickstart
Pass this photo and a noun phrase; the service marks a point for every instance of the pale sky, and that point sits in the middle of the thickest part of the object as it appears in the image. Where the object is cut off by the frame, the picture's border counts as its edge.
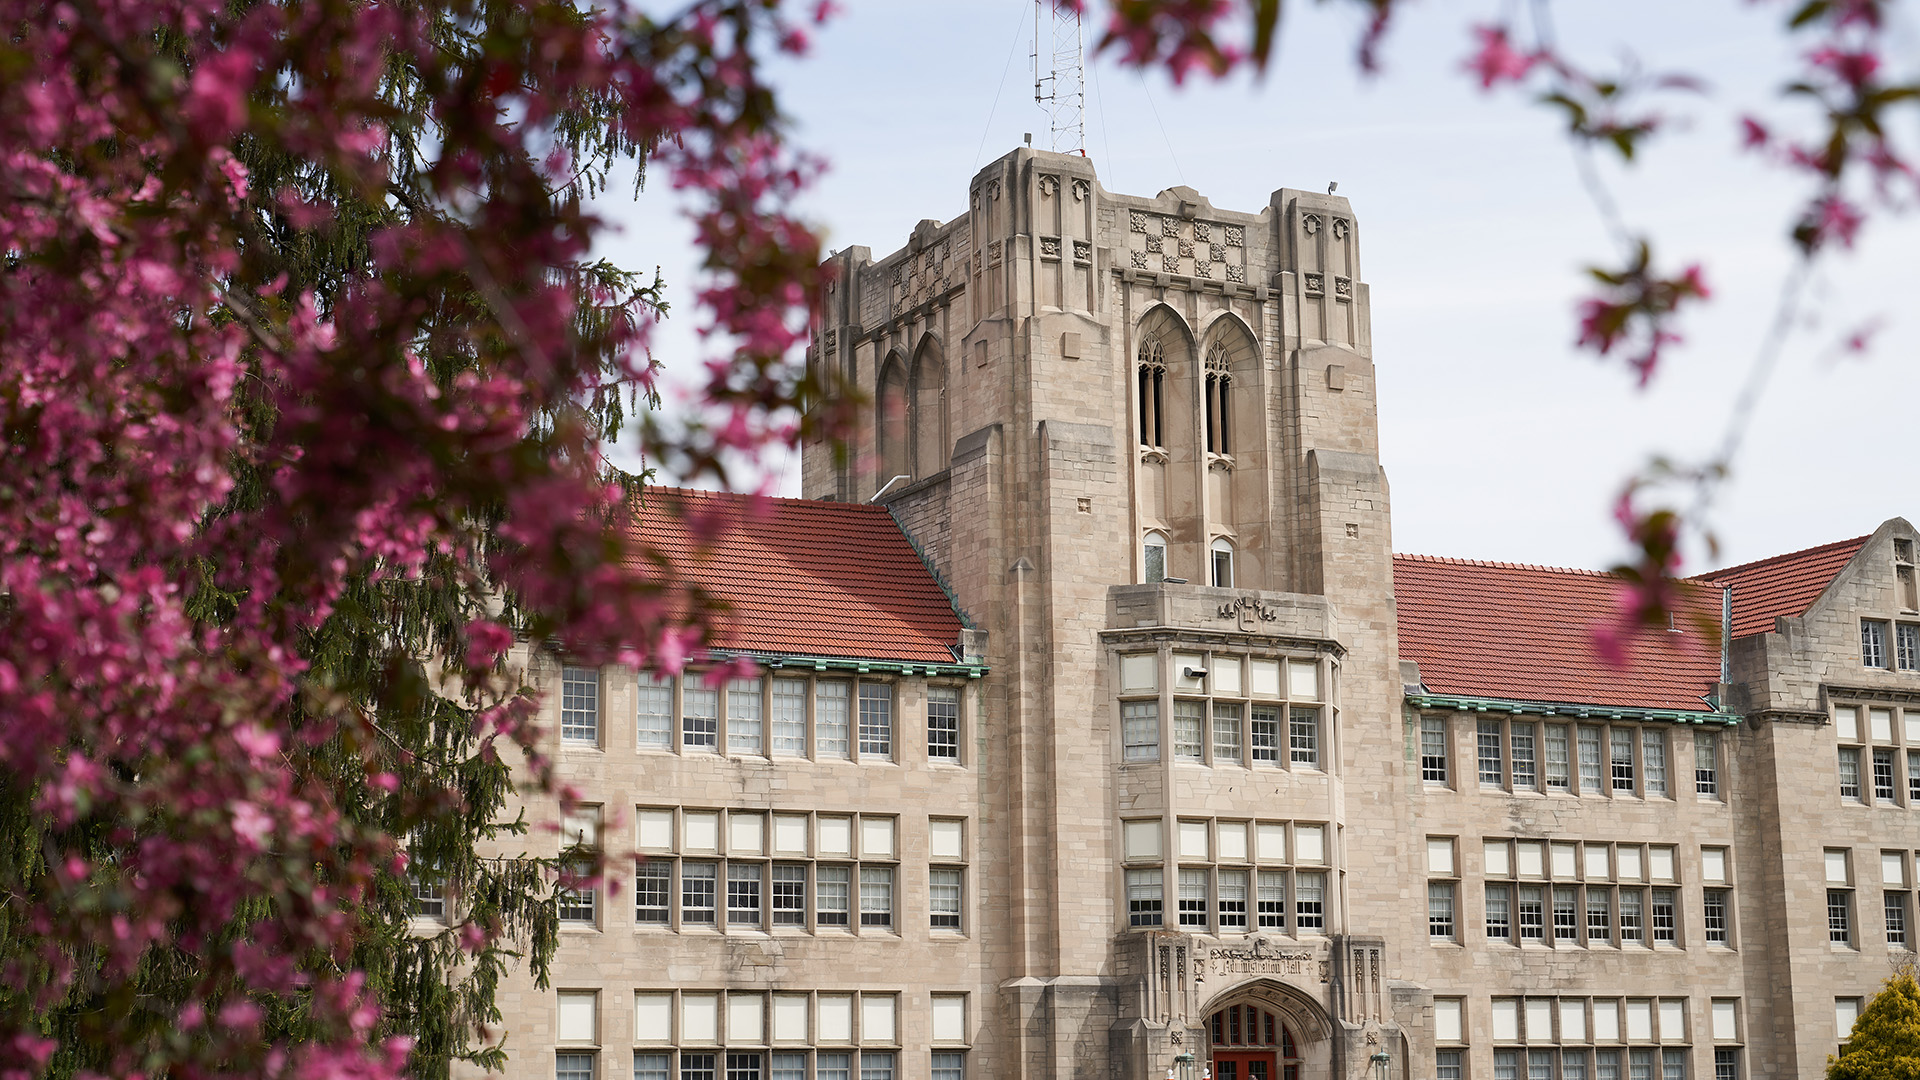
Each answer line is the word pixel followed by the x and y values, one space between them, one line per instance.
pixel 1500 441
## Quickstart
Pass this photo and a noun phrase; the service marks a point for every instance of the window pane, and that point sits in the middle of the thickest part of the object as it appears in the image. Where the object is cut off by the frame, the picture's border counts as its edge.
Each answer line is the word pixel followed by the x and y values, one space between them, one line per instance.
pixel 949 1066
pixel 1492 763
pixel 789 720
pixel 697 884
pixel 1440 910
pixel 1499 914
pixel 784 1067
pixel 1433 749
pixel 1633 929
pixel 1715 909
pixel 875 1066
pixel 1303 735
pixel 650 1067
pixel 699 718
pixel 574 1066
pixel 1558 776
pixel 1706 763
pixel 1590 759
pixel 653 713
pixel 1566 915
pixel 743 1067
pixel 876 719
pixel 1140 730
pixel 1143 897
pixel 876 896
pixel 1873 643
pixel 832 1067
pixel 1273 899
pixel 1193 898
pixel 652 891
pixel 698 1066
pixel 831 702
pixel 943 723
pixel 789 894
pixel 1622 760
pixel 1187 721
pixel 1524 778
pixel 1839 917
pixel 1531 911
pixel 1850 772
pixel 1662 915
pixel 577 904
pixel 744 883
pixel 1264 736
pixel 744 716
pixel 943 899
pixel 1653 760
pixel 832 894
pixel 1599 916
pixel 1232 899
pixel 579 704
pixel 1310 902
pixel 1226 733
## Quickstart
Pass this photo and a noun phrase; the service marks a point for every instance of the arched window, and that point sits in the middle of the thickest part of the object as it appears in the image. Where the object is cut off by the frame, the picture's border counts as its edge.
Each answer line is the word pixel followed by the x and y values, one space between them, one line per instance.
pixel 929 412
pixel 1219 383
pixel 890 423
pixel 1222 563
pixel 1249 1041
pixel 1153 562
pixel 1153 380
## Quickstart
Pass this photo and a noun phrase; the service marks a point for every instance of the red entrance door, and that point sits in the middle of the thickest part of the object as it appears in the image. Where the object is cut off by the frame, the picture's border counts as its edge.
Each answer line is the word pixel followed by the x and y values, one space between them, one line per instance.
pixel 1243 1065
pixel 1250 1043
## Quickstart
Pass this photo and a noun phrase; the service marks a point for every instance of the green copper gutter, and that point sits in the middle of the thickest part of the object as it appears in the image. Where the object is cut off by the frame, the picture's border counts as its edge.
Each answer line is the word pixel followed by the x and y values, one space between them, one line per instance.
pixel 791 662
pixel 1561 708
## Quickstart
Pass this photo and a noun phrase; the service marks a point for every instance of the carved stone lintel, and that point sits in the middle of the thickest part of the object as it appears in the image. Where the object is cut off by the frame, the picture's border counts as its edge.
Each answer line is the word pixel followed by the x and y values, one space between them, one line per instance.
pixel 1246 609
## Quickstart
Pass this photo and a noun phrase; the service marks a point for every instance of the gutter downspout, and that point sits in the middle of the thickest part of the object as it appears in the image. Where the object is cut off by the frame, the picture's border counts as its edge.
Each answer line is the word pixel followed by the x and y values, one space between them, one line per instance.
pixel 1726 633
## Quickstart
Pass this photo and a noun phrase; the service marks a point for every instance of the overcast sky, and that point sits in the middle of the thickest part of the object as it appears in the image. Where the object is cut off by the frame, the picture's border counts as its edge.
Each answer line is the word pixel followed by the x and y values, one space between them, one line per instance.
pixel 1500 441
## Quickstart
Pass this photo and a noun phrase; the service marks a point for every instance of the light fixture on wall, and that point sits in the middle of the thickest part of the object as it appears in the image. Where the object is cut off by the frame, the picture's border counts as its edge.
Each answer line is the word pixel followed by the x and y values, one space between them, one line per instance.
pixel 1182 1068
pixel 1380 1061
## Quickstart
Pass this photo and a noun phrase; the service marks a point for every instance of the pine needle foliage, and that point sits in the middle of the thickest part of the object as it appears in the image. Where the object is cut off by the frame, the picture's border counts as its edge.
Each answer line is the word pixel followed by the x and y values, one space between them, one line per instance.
pixel 1885 1041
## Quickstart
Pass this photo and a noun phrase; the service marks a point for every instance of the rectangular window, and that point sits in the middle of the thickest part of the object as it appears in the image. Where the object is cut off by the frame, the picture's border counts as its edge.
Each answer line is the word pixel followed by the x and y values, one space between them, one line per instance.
pixel 697 885
pixel 1706 763
pixel 1633 926
pixel 1232 899
pixel 789 894
pixel 1606 1065
pixel 1506 1065
pixel 832 705
pixel 1897 919
pixel 1433 749
pixel 1673 1064
pixel 1566 914
pixel 743 1067
pixel 875 1066
pixel 1883 775
pixel 1524 778
pixel 1573 1065
pixel 943 899
pixel 429 894
pixel 1715 910
pixel 1310 903
pixel 744 716
pixel 1590 760
pixel 1187 730
pixel 1873 643
pixel 1622 760
pixel 744 884
pixel 573 1066
pixel 1531 909
pixel 1906 641
pixel 788 726
pixel 699 718
pixel 949 1065
pixel 1850 773
pixel 1273 899
pixel 876 896
pixel 1303 736
pixel 577 904
pixel 1499 916
pixel 876 720
pixel 1144 897
pixel 1440 910
pixel 1446 1065
pixel 1599 916
pixel 653 1067
pixel 1726 1063
pixel 1264 736
pixel 1492 767
pixel 1913 777
pixel 1193 898
pixel 1640 1064
pixel 832 895
pixel 1839 917
pixel 699 1067
pixel 943 723
pixel 1140 730
pixel 1539 1065
pixel 784 1067
pixel 1558 777
pixel 1665 929
pixel 652 892
pixel 833 1067
pixel 1653 761
pixel 579 704
pixel 653 712
pixel 1226 733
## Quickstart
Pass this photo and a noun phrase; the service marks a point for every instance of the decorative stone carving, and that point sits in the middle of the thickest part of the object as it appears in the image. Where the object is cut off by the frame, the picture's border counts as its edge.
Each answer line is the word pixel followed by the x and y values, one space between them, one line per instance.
pixel 1340 227
pixel 1186 249
pixel 1050 247
pixel 1153 244
pixel 1310 224
pixel 1082 251
pixel 1237 273
pixel 1170 226
pixel 993 190
pixel 1261 957
pixel 1316 284
pixel 993 253
pixel 1246 608
pixel 1236 236
pixel 1081 189
pixel 1343 288
pixel 1216 253
pixel 833 339
pixel 1136 221
pixel 1202 232
pixel 1202 268
pixel 1171 263
pixel 1049 185
pixel 1139 260
pixel 1153 457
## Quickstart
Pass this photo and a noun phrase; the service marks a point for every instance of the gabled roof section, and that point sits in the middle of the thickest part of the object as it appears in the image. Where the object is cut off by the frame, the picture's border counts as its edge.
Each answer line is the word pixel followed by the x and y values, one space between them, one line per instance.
pixel 804 578
pixel 1524 633
pixel 1783 585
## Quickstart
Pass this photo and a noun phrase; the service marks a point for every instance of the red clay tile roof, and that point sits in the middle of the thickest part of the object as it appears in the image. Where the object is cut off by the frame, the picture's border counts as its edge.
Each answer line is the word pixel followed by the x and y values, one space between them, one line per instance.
pixel 804 577
pixel 1783 585
pixel 1523 633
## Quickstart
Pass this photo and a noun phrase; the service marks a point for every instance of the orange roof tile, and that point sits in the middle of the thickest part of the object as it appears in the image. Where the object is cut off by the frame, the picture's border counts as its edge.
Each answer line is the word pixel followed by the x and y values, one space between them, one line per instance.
pixel 1783 585
pixel 1524 633
pixel 803 577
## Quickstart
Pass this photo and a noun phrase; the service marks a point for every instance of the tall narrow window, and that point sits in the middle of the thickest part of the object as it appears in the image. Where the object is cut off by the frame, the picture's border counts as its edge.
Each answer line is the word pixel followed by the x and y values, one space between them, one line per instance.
pixel 943 899
pixel 1273 899
pixel 744 716
pixel 1839 916
pixel 1140 730
pixel 699 718
pixel 1440 910
pixel 1219 384
pixel 1566 914
pixel 1873 643
pixel 789 721
pixel 1153 379
pixel 697 894
pixel 653 712
pixel 1232 898
pixel 943 723
pixel 1622 760
pixel 1706 763
pixel 1153 558
pixel 1590 760
pixel 1226 732
pixel 1433 749
pixel 1850 773
pixel 831 704
pixel 579 704
pixel 1188 725
pixel 833 892
pixel 789 894
pixel 1896 904
pixel 1303 736
pixel 1499 914
pixel 1524 777
pixel 1222 555
pixel 1492 767
pixel 1310 903
pixel 1906 641
pixel 1882 775
pixel 1143 897
pixel 1264 733
pixel 876 896
pixel 1193 898
pixel 1558 777
pixel 876 720
pixel 745 884
pixel 1633 925
pixel 1653 761
pixel 652 892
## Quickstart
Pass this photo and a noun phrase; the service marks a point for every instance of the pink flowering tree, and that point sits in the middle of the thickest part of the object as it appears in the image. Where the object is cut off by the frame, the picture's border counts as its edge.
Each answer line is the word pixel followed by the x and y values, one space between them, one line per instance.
pixel 305 372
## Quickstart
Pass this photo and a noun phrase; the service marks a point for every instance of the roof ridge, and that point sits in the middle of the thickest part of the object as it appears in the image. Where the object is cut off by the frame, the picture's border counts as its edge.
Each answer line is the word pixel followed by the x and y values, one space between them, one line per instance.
pixel 1495 564
pixel 749 496
pixel 1803 552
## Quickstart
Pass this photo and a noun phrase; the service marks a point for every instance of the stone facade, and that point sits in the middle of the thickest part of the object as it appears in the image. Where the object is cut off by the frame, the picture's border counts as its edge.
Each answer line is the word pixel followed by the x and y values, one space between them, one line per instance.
pixel 1136 438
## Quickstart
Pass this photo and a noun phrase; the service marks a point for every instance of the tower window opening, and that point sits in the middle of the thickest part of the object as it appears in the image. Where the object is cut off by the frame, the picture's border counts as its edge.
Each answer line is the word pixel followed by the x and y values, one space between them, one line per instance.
pixel 1222 558
pixel 1218 390
pixel 1153 381
pixel 1153 562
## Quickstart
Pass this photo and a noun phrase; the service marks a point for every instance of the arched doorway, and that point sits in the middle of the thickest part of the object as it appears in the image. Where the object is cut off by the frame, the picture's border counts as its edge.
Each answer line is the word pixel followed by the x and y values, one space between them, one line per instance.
pixel 1252 1042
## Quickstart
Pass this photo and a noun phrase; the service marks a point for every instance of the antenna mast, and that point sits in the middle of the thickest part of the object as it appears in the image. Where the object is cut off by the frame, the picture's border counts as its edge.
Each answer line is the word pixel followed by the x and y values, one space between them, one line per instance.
pixel 1060 89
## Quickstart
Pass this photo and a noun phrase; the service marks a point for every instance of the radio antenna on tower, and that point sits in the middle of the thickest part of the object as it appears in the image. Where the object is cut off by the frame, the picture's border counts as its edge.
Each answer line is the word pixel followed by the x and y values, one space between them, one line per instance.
pixel 1060 88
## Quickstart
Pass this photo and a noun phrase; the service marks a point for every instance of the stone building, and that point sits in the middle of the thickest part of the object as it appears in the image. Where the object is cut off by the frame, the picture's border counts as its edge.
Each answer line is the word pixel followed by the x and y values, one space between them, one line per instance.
pixel 1099 734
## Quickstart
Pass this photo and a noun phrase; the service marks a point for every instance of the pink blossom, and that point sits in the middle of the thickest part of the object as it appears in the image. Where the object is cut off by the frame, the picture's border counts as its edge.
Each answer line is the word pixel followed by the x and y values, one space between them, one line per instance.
pixel 1496 61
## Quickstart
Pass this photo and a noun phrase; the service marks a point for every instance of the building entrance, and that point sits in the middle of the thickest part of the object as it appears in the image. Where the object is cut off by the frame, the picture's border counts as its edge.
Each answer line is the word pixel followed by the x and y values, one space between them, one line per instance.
pixel 1251 1043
